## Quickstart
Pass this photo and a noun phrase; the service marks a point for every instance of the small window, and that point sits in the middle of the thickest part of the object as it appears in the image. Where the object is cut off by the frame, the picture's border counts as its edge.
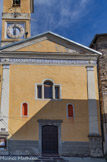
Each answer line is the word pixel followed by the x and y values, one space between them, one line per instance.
pixel 24 109
pixel 70 111
pixel 39 91
pixel 57 90
pixel 2 142
pixel 48 90
pixel 16 3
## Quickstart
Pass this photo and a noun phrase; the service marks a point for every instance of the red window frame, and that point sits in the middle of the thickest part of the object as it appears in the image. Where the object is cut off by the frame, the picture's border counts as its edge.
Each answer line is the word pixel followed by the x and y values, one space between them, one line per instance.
pixel 24 109
pixel 70 111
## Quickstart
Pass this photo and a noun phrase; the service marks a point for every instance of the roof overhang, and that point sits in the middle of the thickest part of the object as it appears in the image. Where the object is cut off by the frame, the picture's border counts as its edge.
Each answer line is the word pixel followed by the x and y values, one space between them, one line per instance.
pixel 56 36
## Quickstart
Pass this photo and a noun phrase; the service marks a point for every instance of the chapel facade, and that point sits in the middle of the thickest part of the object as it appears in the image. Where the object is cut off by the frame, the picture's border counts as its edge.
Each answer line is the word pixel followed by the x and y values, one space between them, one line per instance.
pixel 48 89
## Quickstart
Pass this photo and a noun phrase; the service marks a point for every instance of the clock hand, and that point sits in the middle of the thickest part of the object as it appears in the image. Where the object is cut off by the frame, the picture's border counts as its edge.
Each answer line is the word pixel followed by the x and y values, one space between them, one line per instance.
pixel 14 29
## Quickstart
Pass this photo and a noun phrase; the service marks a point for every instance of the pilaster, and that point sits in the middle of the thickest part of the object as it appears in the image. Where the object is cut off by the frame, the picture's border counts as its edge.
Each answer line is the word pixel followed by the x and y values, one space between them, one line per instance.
pixel 94 137
pixel 5 100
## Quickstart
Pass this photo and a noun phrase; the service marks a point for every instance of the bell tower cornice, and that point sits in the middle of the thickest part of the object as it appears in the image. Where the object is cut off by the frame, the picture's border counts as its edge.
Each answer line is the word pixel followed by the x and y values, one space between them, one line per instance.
pixel 17 16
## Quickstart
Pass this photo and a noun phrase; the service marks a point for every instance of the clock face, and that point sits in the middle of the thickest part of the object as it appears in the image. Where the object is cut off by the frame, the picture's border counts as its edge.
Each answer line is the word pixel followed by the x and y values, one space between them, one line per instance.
pixel 15 31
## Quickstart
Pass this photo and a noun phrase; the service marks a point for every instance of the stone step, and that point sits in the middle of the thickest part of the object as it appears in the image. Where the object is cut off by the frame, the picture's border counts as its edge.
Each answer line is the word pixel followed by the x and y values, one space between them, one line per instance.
pixel 52 159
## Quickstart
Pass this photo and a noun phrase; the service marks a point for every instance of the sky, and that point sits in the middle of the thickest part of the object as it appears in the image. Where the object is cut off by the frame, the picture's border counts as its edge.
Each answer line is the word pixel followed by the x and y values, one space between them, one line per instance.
pixel 78 20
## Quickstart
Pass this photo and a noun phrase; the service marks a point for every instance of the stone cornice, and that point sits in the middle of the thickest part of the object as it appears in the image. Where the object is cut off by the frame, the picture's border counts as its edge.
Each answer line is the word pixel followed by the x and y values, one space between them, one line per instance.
pixel 52 55
pixel 43 121
pixel 47 58
pixel 17 16
pixel 47 61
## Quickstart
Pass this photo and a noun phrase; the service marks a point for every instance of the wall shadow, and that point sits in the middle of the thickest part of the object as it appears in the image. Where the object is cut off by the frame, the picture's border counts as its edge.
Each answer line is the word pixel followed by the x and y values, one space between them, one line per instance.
pixel 57 110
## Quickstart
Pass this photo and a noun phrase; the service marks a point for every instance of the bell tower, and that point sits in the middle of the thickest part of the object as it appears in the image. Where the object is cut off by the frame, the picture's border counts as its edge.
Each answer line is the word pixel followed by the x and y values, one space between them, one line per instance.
pixel 16 20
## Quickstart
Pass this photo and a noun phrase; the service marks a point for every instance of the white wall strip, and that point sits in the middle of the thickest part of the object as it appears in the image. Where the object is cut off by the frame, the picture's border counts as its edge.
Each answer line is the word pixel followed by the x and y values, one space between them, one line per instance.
pixel 48 61
pixel 92 105
pixel 5 97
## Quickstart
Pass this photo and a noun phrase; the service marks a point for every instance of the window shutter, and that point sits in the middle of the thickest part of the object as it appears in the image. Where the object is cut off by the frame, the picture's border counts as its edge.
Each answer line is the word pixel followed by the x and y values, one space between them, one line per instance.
pixel 70 111
pixel 48 92
pixel 57 92
pixel 39 91
pixel 25 109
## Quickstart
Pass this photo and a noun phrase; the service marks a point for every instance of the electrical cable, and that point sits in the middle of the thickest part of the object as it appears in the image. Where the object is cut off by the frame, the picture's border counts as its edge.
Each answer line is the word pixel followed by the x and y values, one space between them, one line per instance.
pixel 72 119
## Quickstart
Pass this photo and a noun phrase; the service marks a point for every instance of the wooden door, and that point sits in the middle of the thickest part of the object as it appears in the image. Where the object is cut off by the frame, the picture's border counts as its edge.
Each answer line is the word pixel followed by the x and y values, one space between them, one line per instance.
pixel 49 139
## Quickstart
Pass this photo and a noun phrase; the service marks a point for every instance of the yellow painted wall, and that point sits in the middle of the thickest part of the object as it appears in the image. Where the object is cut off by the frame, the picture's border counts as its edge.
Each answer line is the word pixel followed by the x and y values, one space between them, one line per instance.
pixel 73 82
pixel 44 46
pixel 24 8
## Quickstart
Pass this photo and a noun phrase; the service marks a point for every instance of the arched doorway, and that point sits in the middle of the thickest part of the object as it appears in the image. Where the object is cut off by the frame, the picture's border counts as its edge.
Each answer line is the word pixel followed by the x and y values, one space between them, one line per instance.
pixel 49 139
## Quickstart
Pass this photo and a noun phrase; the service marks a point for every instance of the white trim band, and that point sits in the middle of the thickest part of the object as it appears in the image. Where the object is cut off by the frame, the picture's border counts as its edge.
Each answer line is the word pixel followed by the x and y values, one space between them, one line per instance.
pixel 48 61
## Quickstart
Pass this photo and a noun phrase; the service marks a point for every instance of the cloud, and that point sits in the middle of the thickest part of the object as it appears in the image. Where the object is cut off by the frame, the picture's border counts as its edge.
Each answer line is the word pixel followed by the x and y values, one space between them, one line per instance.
pixel 54 14
pixel 75 11
pixel 44 2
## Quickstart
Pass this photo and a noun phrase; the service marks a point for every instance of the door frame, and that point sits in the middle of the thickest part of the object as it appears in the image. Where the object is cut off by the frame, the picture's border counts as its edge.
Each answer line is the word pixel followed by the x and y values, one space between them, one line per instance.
pixel 57 123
